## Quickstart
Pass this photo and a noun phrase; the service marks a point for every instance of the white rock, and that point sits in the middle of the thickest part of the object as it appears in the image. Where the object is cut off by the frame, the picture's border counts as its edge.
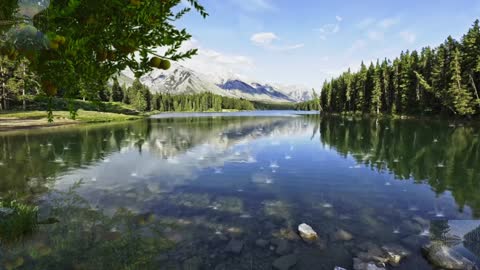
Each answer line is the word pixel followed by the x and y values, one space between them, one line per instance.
pixel 307 233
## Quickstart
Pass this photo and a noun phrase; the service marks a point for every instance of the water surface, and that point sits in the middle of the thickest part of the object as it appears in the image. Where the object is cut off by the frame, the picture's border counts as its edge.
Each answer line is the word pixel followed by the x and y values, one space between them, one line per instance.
pixel 172 192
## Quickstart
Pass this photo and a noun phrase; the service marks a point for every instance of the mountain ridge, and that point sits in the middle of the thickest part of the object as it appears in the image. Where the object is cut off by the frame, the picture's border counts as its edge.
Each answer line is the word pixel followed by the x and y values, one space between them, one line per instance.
pixel 182 80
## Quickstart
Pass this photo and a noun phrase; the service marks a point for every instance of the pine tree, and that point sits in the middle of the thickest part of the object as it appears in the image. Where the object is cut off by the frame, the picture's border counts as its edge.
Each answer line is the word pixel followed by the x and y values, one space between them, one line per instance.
pixel 460 97
pixel 377 90
pixel 116 92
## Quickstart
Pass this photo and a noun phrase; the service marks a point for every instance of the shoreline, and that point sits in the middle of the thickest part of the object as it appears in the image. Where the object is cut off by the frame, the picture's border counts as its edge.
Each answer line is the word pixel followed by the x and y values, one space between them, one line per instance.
pixel 35 120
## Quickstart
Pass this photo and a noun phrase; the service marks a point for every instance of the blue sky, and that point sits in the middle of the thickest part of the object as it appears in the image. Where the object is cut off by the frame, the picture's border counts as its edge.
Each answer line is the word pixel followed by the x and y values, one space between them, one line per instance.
pixel 308 41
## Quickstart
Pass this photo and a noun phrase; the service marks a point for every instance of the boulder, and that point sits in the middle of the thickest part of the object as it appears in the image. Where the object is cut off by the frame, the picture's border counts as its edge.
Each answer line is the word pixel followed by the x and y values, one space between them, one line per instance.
pixel 285 262
pixel 307 233
pixel 444 257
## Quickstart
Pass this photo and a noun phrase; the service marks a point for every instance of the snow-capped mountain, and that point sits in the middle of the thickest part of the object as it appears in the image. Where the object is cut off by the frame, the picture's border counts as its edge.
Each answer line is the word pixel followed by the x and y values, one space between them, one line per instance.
pixel 181 80
pixel 297 92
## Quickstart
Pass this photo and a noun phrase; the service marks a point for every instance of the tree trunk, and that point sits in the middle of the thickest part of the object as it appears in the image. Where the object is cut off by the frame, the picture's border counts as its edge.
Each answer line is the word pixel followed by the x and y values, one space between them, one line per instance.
pixel 475 88
pixel 24 104
pixel 4 97
pixel 3 89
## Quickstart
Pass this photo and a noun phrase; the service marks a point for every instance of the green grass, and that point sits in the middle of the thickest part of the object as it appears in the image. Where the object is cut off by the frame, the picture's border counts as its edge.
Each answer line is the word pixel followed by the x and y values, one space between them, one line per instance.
pixel 82 116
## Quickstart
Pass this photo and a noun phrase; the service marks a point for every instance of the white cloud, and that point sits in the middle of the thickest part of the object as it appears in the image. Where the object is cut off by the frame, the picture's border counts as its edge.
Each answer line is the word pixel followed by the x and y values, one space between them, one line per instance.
pixel 376 35
pixel 339 19
pixel 216 64
pixel 365 23
pixel 264 38
pixel 329 29
pixel 408 36
pixel 388 22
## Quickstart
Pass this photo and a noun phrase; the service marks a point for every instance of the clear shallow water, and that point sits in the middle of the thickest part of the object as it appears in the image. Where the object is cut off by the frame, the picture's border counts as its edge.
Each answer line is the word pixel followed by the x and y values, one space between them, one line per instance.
pixel 172 193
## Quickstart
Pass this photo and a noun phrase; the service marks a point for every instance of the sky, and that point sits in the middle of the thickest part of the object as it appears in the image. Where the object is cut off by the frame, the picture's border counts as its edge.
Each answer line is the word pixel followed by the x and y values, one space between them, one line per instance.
pixel 308 41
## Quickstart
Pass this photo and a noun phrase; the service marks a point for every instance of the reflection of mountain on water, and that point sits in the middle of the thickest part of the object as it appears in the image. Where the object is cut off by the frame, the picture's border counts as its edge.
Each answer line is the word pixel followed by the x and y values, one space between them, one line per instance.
pixel 176 150
pixel 172 137
pixel 445 157
pixel 29 161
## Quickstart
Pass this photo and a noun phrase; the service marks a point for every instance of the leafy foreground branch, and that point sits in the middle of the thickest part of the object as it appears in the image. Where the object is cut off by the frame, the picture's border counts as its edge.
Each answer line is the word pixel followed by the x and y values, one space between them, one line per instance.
pixel 76 46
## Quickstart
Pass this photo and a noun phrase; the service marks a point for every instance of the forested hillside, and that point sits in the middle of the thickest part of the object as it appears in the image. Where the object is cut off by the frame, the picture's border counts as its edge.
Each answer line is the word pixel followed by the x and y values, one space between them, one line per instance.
pixel 20 90
pixel 441 80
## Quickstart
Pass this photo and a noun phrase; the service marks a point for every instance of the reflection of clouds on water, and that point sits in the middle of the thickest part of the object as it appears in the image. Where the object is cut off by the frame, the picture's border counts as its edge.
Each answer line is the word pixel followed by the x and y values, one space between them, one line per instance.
pixel 172 158
pixel 261 178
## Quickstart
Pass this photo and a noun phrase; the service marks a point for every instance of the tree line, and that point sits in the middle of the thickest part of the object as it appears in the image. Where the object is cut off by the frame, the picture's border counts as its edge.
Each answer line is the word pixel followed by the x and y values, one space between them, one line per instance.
pixel 20 89
pixel 142 99
pixel 441 80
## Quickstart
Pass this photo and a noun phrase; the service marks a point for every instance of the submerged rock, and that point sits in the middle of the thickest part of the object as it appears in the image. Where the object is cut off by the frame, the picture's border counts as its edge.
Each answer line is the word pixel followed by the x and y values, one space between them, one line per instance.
pixel 395 253
pixel 307 233
pixel 285 262
pixel 342 235
pixel 446 258
pixel 49 221
pixel 389 254
pixel 5 212
pixel 283 247
pixel 193 263
pixel 261 243
pixel 234 246
pixel 361 265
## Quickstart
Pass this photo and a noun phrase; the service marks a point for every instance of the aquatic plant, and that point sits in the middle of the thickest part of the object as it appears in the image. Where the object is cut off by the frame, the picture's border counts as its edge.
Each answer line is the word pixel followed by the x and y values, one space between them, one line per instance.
pixel 86 238
pixel 17 221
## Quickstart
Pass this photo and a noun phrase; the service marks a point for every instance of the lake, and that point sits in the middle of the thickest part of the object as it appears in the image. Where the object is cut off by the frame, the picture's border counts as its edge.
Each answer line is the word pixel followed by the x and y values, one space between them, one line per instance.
pixel 228 191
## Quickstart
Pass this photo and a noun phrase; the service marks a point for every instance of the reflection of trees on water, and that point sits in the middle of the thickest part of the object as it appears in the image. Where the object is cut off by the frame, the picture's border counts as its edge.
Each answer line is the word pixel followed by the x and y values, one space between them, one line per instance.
pixel 29 161
pixel 430 152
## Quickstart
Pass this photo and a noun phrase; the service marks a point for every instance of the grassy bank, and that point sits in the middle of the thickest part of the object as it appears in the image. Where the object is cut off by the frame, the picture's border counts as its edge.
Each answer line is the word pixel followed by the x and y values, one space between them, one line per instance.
pixel 38 119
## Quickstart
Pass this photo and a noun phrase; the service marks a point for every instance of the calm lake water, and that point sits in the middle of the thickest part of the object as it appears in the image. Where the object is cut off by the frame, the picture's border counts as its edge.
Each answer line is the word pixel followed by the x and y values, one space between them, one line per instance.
pixel 228 191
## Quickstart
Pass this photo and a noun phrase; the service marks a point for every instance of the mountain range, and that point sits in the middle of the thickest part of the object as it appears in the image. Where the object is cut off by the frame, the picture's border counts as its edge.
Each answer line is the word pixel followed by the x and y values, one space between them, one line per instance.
pixel 182 80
